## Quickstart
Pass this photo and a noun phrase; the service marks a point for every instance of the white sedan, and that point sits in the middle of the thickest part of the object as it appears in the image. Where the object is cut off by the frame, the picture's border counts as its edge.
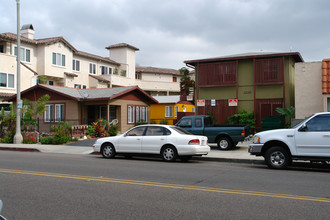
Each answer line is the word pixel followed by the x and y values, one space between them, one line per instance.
pixel 170 142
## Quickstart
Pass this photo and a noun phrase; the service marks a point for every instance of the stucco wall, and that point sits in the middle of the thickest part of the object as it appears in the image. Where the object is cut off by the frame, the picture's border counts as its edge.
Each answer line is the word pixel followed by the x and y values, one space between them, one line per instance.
pixel 308 89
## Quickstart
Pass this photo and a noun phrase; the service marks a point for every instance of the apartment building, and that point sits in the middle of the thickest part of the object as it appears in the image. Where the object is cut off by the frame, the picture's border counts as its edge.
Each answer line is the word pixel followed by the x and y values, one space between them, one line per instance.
pixel 64 65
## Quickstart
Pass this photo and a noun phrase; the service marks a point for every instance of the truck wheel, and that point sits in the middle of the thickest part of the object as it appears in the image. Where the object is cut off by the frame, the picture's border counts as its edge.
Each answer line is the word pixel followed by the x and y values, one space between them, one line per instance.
pixel 277 158
pixel 224 143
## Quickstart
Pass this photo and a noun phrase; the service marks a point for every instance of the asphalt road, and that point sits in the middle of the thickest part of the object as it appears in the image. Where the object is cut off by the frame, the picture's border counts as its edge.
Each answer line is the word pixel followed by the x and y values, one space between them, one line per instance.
pixel 60 186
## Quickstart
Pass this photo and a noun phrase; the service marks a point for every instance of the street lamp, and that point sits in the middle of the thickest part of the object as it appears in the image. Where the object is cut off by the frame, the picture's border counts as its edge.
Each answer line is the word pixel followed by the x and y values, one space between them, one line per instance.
pixel 18 138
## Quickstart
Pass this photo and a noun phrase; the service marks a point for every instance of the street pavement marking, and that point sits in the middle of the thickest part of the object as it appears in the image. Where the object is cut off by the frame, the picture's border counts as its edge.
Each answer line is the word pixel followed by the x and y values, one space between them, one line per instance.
pixel 167 185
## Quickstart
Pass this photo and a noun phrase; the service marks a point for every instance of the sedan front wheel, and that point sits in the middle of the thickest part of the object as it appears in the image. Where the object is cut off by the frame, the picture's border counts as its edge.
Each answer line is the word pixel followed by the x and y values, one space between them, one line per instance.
pixel 108 151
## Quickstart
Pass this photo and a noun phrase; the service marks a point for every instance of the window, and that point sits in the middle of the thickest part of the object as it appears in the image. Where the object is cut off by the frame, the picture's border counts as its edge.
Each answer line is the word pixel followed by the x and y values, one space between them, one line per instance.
pixel 269 71
pixel 6 80
pixel 104 70
pixel 84 87
pixel 77 86
pixel 58 59
pixel 217 74
pixel 319 123
pixel 175 79
pixel 198 122
pixel 50 82
pixel 137 114
pixel 193 109
pixel 157 131
pixel 138 76
pixel 54 112
pixel 1 48
pixel 130 114
pixel 76 65
pixel 110 70
pixel 168 111
pixel 92 68
pixel 176 110
pixel 136 131
pixel 185 123
pixel 25 54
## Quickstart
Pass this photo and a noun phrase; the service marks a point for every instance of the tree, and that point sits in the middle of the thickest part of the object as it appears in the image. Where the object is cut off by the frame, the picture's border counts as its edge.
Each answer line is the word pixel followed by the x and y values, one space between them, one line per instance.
pixel 185 82
pixel 287 112
pixel 31 111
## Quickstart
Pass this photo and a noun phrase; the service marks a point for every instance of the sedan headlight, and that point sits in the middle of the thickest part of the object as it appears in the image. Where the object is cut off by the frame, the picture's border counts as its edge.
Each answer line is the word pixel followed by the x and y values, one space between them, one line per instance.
pixel 256 139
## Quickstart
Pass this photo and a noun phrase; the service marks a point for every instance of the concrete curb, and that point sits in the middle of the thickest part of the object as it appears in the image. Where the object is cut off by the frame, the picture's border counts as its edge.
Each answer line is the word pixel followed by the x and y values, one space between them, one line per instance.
pixel 20 149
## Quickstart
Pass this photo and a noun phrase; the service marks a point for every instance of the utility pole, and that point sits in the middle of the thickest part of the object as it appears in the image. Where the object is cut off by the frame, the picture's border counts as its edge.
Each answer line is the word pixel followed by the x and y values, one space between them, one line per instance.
pixel 18 138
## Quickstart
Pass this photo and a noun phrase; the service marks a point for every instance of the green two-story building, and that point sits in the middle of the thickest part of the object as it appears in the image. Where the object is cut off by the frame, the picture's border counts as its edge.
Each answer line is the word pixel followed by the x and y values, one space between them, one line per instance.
pixel 255 82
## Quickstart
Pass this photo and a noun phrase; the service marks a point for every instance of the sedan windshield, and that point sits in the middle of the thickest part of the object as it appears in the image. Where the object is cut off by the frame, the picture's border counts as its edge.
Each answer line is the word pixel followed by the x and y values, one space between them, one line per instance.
pixel 180 130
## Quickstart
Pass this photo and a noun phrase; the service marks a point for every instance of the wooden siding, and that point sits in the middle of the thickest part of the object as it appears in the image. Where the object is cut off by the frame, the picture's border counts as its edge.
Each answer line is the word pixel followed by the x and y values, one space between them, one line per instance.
pixel 221 110
pixel 217 74
pixel 266 108
pixel 269 71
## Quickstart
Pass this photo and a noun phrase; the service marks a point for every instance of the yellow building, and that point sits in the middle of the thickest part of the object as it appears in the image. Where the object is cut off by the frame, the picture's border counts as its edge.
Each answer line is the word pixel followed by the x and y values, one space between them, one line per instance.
pixel 169 109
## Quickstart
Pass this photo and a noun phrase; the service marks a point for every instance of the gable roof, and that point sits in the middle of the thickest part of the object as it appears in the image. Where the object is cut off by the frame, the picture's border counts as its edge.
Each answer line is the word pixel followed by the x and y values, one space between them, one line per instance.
pixel 149 69
pixel 88 94
pixel 121 45
pixel 295 55
pixel 52 40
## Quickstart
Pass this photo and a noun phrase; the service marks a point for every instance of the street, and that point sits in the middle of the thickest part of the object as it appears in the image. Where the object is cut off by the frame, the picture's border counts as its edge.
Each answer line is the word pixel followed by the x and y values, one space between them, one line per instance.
pixel 63 186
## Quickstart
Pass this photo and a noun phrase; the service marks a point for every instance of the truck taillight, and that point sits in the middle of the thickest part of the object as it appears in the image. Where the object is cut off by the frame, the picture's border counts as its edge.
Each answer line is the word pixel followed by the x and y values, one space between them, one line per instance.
pixel 194 141
pixel 243 132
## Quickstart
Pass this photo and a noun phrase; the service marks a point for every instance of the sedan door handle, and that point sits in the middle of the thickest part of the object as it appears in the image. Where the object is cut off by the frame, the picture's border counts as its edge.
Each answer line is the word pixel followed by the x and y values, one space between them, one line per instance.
pixel 326 135
pixel 162 139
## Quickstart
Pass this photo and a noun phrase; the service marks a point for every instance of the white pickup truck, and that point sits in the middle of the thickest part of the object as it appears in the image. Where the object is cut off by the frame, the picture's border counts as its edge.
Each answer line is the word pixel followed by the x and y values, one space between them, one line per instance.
pixel 309 140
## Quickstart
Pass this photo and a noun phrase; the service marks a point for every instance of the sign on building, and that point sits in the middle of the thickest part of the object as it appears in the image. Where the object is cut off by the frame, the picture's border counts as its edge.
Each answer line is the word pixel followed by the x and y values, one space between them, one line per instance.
pixel 232 102
pixel 200 102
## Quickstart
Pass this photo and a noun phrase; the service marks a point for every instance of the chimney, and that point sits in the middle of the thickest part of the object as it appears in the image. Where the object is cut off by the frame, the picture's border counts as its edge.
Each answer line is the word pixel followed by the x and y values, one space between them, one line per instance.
pixel 27 31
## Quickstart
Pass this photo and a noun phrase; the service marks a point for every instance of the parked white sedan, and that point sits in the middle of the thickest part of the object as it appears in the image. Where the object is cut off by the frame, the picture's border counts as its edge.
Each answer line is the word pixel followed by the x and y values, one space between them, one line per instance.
pixel 170 142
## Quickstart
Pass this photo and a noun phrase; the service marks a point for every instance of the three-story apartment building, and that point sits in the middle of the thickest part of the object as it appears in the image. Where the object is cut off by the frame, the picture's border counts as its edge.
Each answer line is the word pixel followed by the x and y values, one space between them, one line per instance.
pixel 63 65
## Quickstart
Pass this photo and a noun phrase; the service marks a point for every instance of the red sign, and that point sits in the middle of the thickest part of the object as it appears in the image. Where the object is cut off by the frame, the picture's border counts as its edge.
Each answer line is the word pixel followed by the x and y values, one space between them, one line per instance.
pixel 232 102
pixel 200 102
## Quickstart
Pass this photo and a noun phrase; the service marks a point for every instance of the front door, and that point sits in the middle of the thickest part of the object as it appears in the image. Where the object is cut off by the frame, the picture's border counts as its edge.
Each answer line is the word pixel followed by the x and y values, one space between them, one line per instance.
pixel 314 140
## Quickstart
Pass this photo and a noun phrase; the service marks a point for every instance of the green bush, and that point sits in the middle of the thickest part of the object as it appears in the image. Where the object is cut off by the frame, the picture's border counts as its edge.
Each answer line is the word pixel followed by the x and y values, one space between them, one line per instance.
pixel 243 117
pixel 46 140
pixel 113 130
pixel 153 122
pixel 61 139
pixel 163 121
pixel 90 130
pixel 9 138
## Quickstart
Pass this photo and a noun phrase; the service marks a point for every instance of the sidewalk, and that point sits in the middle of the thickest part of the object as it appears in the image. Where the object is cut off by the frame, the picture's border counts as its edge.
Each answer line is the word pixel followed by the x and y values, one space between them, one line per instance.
pixel 239 154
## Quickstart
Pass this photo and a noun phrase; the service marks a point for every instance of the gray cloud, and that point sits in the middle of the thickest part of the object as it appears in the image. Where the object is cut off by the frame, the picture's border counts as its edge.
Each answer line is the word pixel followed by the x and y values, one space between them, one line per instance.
pixel 169 32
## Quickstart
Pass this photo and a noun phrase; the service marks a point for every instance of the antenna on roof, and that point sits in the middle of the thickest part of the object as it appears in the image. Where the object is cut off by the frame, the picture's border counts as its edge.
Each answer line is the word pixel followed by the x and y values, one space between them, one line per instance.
pixel 84 94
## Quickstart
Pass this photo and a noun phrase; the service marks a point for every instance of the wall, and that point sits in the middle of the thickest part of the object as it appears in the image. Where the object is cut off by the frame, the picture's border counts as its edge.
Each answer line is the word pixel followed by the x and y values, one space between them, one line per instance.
pixel 308 89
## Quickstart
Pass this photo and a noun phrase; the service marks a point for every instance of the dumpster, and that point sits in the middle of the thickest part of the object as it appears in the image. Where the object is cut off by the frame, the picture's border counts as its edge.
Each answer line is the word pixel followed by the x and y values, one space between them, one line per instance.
pixel 273 122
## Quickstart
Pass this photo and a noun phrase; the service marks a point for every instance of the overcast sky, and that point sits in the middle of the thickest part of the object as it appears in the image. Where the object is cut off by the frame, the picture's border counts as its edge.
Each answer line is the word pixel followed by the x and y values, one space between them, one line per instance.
pixel 168 32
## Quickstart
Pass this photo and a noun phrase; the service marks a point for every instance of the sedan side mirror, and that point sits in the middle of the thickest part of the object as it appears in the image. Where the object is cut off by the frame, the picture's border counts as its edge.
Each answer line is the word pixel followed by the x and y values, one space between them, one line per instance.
pixel 303 127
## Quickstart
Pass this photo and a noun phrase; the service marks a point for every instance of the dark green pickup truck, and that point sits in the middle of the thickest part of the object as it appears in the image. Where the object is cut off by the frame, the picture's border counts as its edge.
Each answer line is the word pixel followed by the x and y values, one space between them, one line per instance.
pixel 226 136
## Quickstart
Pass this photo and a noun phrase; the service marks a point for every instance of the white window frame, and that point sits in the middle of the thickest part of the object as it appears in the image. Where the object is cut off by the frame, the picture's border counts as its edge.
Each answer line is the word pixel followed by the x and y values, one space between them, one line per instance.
pixel 10 80
pixel 54 113
pixel 58 59
pixel 176 110
pixel 168 111
pixel 76 65
pixel 92 68
pixel 130 114
pixel 25 54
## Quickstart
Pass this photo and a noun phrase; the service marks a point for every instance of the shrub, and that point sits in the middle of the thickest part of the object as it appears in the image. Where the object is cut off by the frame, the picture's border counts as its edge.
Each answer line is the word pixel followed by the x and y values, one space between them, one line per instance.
pixel 90 131
pixel 113 130
pixel 9 138
pixel 46 140
pixel 61 139
pixel 62 133
pixel 99 127
pixel 29 140
pixel 163 121
pixel 153 122
pixel 242 118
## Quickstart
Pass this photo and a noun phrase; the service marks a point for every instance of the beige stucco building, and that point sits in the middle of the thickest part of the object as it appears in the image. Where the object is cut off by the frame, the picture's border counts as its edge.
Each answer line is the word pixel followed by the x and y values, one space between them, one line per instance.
pixel 309 98
pixel 64 65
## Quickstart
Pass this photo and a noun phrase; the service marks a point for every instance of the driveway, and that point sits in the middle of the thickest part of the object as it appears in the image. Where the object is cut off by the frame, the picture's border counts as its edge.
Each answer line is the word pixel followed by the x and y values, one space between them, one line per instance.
pixel 83 143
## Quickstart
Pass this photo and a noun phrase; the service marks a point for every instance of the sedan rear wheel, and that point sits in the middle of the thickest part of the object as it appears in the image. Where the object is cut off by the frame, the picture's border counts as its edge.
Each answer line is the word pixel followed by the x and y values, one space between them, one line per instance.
pixel 169 154
pixel 108 151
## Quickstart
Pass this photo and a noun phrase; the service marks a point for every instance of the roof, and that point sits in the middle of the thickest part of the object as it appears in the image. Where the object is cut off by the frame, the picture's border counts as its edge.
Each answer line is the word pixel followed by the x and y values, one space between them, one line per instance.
pixel 52 40
pixel 87 94
pixel 121 45
pixel 296 56
pixel 99 78
pixel 144 69
pixel 167 99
